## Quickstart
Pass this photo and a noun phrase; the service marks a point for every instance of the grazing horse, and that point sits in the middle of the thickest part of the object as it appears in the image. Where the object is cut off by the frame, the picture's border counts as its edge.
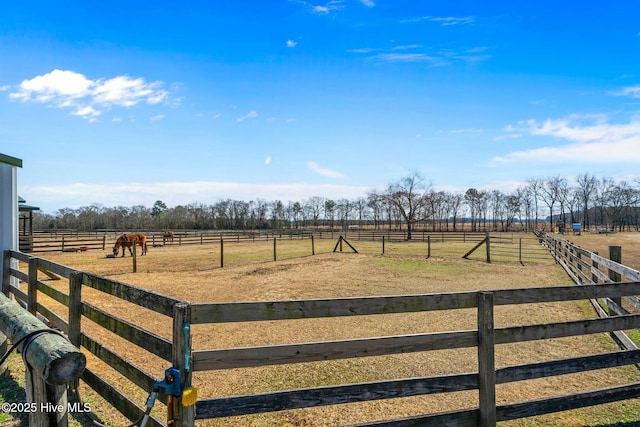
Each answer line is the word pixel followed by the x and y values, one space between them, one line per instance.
pixel 129 240
pixel 167 236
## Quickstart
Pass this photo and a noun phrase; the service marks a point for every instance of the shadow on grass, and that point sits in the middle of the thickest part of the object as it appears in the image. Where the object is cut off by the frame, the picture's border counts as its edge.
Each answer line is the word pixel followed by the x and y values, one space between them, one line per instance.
pixel 12 391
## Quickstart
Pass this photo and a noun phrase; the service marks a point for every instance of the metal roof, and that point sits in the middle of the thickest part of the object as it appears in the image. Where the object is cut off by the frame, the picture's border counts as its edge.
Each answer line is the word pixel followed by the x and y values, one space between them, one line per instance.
pixel 24 208
pixel 13 161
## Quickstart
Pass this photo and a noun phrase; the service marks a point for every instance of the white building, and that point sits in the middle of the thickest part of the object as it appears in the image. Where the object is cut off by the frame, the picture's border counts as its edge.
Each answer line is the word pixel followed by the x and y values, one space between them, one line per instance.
pixel 8 204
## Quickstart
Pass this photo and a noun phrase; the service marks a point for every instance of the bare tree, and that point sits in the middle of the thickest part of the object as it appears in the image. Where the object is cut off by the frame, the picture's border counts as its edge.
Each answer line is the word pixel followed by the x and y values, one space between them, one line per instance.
pixel 375 203
pixel 361 206
pixel 408 196
pixel 536 186
pixel 621 198
pixel 313 206
pixel 552 193
pixel 475 200
pixel 454 201
pixel 587 185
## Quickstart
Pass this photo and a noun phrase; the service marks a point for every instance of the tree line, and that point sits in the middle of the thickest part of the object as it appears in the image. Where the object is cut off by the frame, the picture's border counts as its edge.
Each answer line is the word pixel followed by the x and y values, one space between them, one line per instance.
pixel 409 203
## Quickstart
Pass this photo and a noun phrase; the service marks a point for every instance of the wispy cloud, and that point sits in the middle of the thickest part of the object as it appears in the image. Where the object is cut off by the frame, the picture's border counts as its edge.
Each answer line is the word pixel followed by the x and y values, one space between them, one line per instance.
pixel 419 54
pixel 328 7
pixel 324 172
pixel 630 91
pixel 368 3
pixel 250 115
pixel 445 21
pixel 325 8
pixel 409 57
pixel 88 98
pixel 157 117
pixel 267 161
pixel 587 139
pixel 291 43
pixel 406 47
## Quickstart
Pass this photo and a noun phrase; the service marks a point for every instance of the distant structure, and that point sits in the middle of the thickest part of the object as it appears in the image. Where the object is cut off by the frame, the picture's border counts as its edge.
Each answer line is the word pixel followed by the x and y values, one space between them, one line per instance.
pixel 25 213
pixel 8 204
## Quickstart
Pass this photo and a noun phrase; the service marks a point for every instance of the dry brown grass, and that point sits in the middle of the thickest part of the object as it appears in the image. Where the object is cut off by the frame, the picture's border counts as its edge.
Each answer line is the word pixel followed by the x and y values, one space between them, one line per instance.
pixel 630 243
pixel 192 273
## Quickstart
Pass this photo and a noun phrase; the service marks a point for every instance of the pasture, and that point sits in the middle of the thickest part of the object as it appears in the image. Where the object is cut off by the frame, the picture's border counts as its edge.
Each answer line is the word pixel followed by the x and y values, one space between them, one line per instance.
pixel 192 273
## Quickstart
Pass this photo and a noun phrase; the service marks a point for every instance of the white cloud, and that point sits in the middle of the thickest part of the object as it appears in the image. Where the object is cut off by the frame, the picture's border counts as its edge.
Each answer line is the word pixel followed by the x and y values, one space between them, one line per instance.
pixel 326 8
pixel 368 3
pixel 631 91
pixel 291 43
pixel 250 115
pixel 445 21
pixel 267 161
pixel 409 57
pixel 407 47
pixel 587 139
pixel 157 117
pixel 53 197
pixel 87 113
pixel 5 88
pixel 324 172
pixel 432 58
pixel 68 89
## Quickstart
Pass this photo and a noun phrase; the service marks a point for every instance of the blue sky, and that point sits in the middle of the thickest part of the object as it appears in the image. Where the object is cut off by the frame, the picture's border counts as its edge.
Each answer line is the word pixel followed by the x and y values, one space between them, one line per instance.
pixel 125 103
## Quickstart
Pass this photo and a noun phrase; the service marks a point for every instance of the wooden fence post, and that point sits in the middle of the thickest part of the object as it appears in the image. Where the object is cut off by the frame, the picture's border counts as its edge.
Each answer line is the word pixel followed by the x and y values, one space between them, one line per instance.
pixel 383 245
pixel 594 265
pixel 182 416
pixel 32 287
pixel 274 249
pixel 75 311
pixel 51 362
pixel 221 252
pixel 486 360
pixel 488 238
pixel 615 254
pixel 104 242
pixel 520 251
pixel 428 246
pixel 313 247
pixel 579 259
pixel 135 260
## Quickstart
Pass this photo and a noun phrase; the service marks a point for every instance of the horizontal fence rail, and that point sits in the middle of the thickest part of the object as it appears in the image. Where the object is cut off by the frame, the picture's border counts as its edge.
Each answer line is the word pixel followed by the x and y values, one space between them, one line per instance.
pixel 365 347
pixel 75 308
pixel 73 242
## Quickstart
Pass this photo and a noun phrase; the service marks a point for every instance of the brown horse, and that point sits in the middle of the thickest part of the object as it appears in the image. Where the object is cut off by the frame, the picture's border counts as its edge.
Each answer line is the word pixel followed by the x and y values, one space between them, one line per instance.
pixel 167 236
pixel 129 240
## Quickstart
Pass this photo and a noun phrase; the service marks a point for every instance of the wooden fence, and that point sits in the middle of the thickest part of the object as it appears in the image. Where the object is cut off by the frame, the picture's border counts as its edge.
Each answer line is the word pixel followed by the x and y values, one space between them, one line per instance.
pixel 50 241
pixel 77 308
pixel 76 241
pixel 586 267
pixel 484 338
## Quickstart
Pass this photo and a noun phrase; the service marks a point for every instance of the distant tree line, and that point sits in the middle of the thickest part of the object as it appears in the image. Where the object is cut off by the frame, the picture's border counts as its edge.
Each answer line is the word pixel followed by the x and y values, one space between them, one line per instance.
pixel 410 203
